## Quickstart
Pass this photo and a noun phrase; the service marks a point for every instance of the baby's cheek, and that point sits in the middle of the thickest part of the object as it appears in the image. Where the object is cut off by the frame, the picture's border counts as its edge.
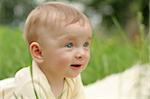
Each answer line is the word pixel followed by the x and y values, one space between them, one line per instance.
pixel 87 57
pixel 65 60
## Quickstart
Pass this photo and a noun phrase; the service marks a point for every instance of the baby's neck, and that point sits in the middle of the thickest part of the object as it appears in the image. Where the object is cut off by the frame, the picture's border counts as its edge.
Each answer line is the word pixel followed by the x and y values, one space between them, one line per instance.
pixel 57 86
pixel 55 81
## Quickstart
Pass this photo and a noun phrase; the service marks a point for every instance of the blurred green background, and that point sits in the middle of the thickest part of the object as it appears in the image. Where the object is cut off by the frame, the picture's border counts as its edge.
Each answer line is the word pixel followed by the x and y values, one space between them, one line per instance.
pixel 120 30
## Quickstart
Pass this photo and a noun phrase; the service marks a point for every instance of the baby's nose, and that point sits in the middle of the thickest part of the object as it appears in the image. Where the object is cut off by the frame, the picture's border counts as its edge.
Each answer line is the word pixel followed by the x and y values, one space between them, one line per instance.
pixel 80 53
pixel 79 56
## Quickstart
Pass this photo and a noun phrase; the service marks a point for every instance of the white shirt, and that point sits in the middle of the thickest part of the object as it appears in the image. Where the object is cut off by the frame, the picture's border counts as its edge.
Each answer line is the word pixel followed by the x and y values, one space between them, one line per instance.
pixel 27 86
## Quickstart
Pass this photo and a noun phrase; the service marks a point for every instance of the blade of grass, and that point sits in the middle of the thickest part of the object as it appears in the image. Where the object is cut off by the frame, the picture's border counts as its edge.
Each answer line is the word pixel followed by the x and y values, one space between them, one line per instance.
pixel 35 92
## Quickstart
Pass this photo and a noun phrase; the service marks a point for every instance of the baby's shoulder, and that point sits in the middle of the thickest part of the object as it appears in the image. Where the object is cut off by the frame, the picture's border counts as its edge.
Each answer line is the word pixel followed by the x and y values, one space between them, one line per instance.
pixel 10 82
pixel 23 74
pixel 9 85
pixel 23 79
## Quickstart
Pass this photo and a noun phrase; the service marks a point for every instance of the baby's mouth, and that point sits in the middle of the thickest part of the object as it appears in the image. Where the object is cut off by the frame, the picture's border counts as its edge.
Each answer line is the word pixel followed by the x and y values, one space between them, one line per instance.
pixel 75 65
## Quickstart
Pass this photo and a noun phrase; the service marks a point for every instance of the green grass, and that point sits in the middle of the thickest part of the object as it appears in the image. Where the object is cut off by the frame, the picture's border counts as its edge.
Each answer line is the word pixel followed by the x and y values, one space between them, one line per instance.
pixel 108 54
pixel 116 53
pixel 13 51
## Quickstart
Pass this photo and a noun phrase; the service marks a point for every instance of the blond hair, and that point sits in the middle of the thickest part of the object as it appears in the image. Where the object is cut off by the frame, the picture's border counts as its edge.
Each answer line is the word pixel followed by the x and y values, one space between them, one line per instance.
pixel 51 16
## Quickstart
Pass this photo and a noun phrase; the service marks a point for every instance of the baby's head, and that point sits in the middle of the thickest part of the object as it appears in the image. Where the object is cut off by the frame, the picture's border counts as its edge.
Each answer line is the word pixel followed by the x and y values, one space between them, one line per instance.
pixel 59 38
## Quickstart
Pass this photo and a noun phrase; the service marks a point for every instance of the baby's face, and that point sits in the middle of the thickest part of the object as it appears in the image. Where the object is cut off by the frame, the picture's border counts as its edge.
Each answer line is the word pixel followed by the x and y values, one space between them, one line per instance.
pixel 67 54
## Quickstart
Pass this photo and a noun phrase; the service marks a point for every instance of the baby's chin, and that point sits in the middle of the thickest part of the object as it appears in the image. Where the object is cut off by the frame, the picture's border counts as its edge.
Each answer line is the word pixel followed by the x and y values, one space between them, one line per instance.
pixel 73 75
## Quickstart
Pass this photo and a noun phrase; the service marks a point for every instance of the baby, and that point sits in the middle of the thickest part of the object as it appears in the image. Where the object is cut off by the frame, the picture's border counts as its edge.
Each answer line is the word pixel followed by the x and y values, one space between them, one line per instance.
pixel 59 39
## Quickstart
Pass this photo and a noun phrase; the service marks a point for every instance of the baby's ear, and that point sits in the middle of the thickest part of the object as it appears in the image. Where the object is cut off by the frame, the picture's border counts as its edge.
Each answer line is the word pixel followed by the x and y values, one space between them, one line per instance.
pixel 36 52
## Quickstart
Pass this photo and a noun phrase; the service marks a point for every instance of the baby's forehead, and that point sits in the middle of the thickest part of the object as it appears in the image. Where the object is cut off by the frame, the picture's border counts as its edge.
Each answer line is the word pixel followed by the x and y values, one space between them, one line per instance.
pixel 74 32
pixel 71 29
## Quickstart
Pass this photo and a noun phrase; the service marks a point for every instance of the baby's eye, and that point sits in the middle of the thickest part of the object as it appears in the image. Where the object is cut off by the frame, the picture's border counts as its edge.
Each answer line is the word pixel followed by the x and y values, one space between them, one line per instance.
pixel 69 45
pixel 86 44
